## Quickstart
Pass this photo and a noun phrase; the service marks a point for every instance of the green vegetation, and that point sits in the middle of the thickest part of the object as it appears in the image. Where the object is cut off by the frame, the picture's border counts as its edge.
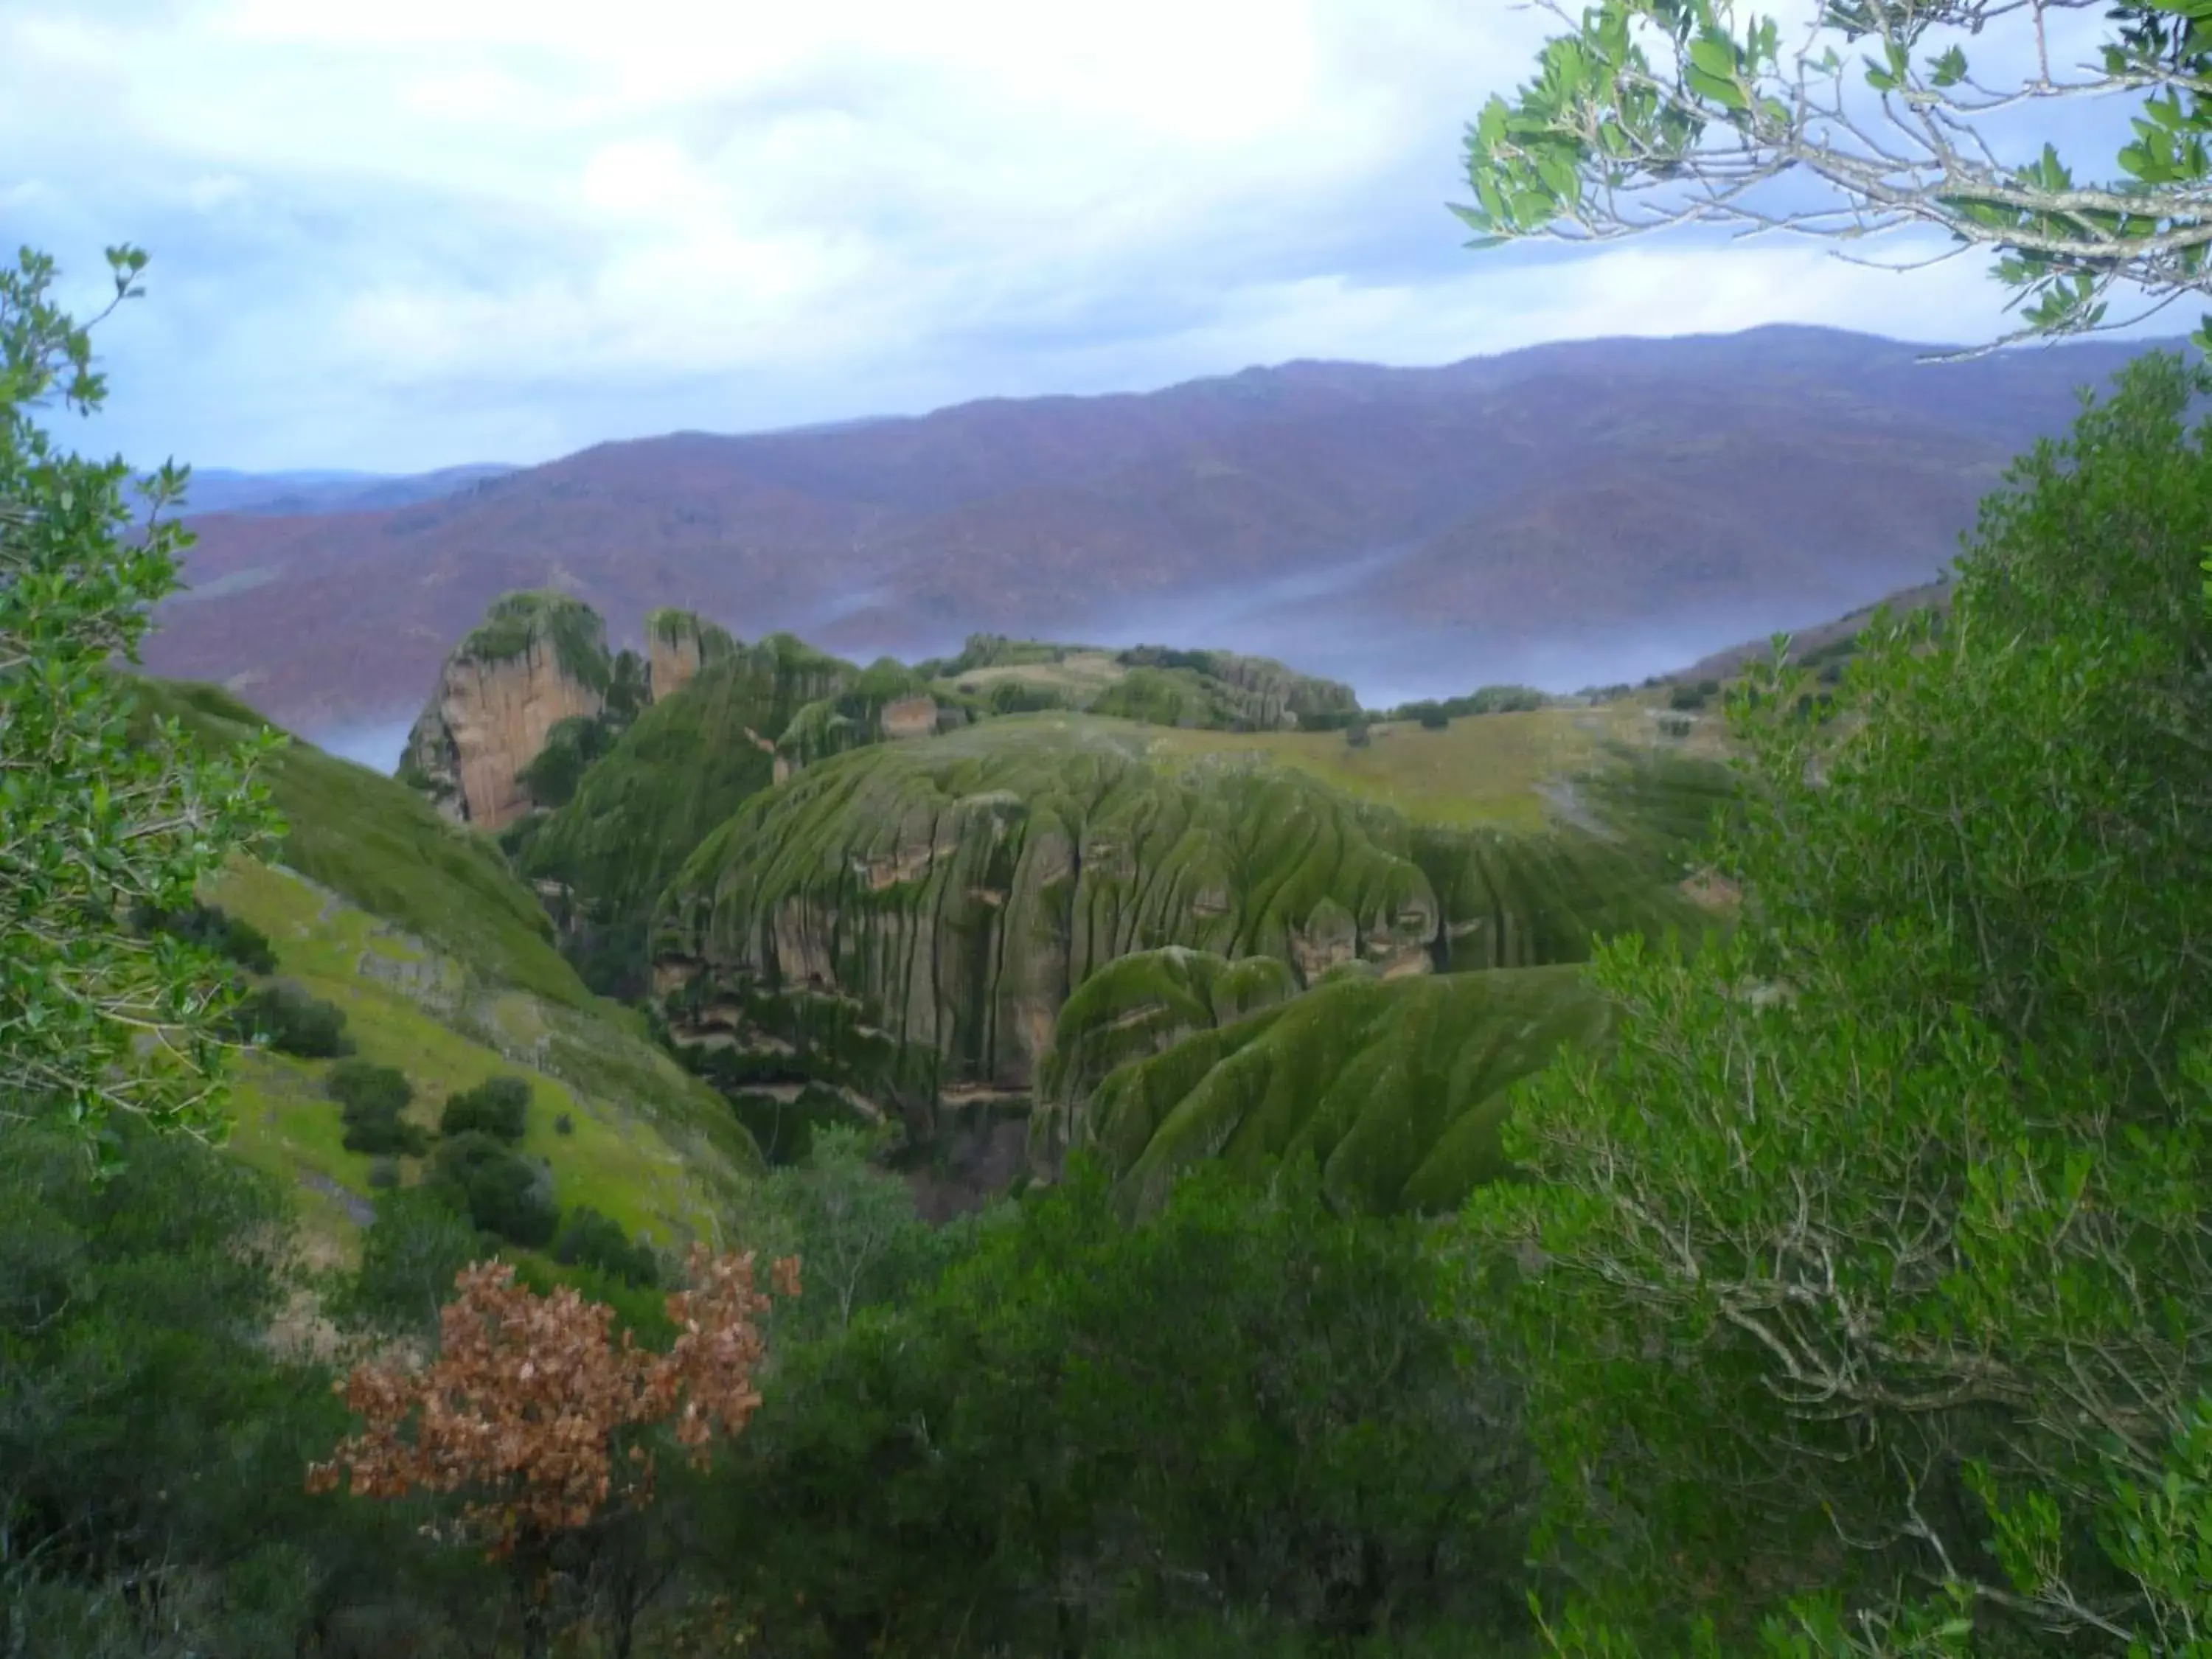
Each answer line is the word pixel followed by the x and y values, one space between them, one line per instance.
pixel 1875 1255
pixel 1627 130
pixel 499 1191
pixel 95 1021
pixel 587 1238
pixel 683 768
pixel 517 622
pixel 283 1017
pixel 1395 1088
pixel 207 926
pixel 498 1107
pixel 649 1145
pixel 370 1099
pixel 380 846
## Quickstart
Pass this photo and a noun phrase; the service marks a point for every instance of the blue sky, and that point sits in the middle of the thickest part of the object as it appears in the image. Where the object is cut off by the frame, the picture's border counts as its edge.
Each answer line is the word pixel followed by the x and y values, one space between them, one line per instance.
pixel 417 232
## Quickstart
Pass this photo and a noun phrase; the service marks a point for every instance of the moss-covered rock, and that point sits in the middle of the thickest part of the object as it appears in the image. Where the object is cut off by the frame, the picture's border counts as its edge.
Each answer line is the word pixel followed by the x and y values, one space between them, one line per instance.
pixel 677 645
pixel 685 766
pixel 961 889
pixel 537 660
pixel 1137 1005
pixel 953 895
pixel 1395 1088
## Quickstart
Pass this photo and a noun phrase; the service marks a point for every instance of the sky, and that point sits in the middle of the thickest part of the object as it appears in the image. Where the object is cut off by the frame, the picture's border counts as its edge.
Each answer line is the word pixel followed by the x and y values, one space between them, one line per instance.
pixel 421 233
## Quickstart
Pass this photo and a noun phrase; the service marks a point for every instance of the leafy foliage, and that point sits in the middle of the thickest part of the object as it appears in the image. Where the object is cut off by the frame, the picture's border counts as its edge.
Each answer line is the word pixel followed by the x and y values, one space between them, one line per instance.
pixel 1879 1248
pixel 530 1413
pixel 498 1107
pixel 1083 1431
pixel 95 1020
pixel 589 1239
pixel 501 1192
pixel 1652 112
pixel 371 1099
pixel 291 1020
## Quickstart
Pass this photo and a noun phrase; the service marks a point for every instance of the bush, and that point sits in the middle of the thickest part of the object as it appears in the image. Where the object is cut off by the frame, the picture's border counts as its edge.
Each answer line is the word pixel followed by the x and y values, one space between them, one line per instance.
pixel 1357 735
pixel 1676 726
pixel 1688 695
pixel 291 1022
pixel 499 1107
pixel 589 1239
pixel 370 1101
pixel 501 1192
pixel 1433 719
pixel 211 929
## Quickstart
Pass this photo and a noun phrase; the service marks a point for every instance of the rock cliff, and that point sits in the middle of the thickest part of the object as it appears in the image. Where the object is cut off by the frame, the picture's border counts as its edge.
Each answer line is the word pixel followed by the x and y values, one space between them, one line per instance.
pixel 537 660
pixel 914 921
pixel 677 645
pixel 960 889
pixel 687 763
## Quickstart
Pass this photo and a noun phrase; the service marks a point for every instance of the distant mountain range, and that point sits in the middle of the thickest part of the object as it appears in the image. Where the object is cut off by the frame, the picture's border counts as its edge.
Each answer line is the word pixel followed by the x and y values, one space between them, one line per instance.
pixel 218 489
pixel 1587 512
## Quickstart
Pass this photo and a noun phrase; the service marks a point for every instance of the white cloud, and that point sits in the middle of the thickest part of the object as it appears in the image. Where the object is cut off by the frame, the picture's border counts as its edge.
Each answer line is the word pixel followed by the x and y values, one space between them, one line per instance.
pixel 429 231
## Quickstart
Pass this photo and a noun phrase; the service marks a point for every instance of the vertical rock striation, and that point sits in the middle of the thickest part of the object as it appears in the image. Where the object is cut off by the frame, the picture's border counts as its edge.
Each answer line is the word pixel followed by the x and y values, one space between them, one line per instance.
pixel 537 660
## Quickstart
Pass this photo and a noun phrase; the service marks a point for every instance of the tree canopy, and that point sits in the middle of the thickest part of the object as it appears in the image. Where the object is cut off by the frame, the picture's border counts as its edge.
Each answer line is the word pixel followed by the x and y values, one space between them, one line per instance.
pixel 97 1017
pixel 1649 113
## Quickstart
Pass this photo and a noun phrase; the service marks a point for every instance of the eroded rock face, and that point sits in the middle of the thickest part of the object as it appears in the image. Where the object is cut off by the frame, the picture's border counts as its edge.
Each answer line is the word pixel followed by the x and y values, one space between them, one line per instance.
pixel 961 889
pixel 677 645
pixel 537 660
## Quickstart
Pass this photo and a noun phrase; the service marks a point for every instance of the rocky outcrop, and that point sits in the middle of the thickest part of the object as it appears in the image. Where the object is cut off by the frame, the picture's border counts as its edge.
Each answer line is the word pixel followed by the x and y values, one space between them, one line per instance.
pixel 1396 1088
pixel 1131 1009
pixel 677 645
pixel 909 717
pixel 959 889
pixel 943 903
pixel 689 762
pixel 537 660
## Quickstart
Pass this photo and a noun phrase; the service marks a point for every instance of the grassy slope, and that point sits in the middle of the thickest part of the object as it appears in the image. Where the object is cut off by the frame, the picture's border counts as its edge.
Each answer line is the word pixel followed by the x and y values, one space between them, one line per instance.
pixel 1481 769
pixel 441 962
pixel 388 851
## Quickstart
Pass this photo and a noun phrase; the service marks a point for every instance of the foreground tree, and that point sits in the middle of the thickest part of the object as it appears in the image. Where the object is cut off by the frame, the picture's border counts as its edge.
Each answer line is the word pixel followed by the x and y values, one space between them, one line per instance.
pixel 530 1413
pixel 1656 113
pixel 97 1018
pixel 1873 1267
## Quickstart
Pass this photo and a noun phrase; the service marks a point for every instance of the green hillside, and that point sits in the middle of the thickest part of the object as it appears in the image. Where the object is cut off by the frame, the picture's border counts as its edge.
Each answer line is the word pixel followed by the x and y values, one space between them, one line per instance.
pixel 443 965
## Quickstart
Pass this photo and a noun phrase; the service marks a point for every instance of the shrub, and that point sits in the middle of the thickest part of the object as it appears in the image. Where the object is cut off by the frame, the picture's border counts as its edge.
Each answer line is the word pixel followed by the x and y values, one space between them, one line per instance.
pixel 210 928
pixel 1676 726
pixel 589 1239
pixel 291 1022
pixel 501 1192
pixel 370 1101
pixel 499 1107
pixel 1688 695
pixel 1357 735
pixel 1434 718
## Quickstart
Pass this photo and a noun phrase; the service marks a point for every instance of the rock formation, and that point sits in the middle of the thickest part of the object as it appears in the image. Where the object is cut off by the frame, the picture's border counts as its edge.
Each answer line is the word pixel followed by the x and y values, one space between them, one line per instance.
pixel 683 766
pixel 916 920
pixel 677 645
pixel 1397 1089
pixel 537 660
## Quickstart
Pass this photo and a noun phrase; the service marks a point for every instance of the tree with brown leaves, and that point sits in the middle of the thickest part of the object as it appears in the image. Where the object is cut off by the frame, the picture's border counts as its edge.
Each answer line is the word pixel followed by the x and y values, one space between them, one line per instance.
pixel 524 1410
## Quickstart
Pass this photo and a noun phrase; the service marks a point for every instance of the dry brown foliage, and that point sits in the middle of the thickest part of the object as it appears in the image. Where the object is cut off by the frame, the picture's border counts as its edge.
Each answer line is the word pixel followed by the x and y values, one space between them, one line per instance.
pixel 521 1408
